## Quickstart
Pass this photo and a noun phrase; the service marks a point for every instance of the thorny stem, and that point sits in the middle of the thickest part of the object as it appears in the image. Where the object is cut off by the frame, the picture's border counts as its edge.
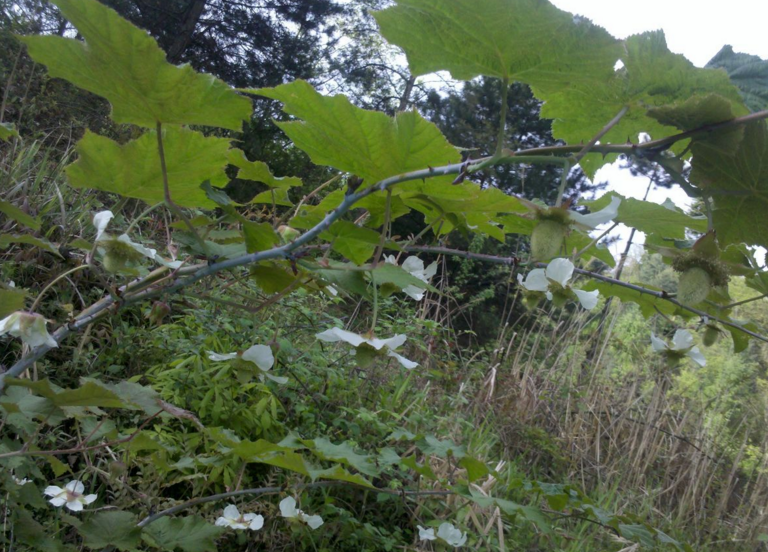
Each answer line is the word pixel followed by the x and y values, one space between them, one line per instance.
pixel 194 274
pixel 385 229
pixel 595 241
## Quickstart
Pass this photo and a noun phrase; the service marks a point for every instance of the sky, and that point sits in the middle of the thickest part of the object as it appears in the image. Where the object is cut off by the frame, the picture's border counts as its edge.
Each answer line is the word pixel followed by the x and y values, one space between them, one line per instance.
pixel 698 29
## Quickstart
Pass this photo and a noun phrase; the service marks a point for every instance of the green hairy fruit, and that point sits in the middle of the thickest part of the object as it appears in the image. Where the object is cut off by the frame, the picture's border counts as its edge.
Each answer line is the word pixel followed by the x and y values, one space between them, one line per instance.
pixel 711 335
pixel 113 262
pixel 547 239
pixel 694 286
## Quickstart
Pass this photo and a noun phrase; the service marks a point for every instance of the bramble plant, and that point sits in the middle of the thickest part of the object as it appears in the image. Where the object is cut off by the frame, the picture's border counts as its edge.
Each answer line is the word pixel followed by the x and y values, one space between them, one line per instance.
pixel 388 167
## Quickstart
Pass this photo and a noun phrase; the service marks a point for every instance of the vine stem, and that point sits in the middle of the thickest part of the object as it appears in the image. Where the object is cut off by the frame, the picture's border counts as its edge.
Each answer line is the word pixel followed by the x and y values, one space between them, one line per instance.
pixel 191 275
pixel 502 118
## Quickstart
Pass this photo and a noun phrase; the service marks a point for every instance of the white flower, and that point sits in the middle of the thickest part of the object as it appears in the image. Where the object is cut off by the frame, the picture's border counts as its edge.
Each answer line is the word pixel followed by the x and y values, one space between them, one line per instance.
pixel 101 221
pixel 415 267
pixel 337 334
pixel 593 220
pixel 446 532
pixel 71 496
pixel 29 327
pixel 20 482
pixel 451 534
pixel 682 345
pixel 426 534
pixel 288 510
pixel 232 518
pixel 260 355
pixel 554 280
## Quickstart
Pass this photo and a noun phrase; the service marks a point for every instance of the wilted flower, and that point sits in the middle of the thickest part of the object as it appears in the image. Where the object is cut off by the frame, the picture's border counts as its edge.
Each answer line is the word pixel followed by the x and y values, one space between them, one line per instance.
pixel 288 510
pixel 29 327
pixel 446 532
pixel 121 250
pixel 554 283
pixel 337 334
pixel 415 267
pixel 70 496
pixel 682 345
pixel 259 355
pixel 234 519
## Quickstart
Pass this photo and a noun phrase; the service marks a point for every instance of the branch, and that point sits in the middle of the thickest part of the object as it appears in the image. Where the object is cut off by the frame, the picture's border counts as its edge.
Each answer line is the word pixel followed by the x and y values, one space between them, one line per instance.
pixel 643 150
pixel 513 261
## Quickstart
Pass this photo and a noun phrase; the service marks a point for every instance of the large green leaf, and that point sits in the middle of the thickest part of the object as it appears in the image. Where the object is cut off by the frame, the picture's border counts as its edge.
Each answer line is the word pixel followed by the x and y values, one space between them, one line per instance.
pixel 367 143
pixel 14 213
pixel 529 41
pixel 6 240
pixel 134 170
pixel 116 529
pixel 749 73
pixel 259 171
pixel 191 534
pixel 652 76
pixel 739 185
pixel 125 65
pixel 344 453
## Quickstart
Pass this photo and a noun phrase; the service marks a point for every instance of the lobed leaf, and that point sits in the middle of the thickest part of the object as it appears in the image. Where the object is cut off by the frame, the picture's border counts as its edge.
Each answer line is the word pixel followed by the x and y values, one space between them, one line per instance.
pixel 123 64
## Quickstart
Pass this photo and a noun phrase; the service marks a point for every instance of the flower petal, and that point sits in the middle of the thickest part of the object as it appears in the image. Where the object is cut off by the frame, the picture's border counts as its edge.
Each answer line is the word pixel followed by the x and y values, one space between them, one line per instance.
pixel 282 380
pixel 288 507
pixel 560 271
pixel 451 534
pixel 75 486
pixel 101 221
pixel 313 521
pixel 682 340
pixel 390 343
pixel 231 512
pixel 658 345
pixel 431 270
pixel 75 505
pixel 593 220
pixel 415 293
pixel 53 490
pixel 697 357
pixel 588 299
pixel 337 334
pixel 58 501
pixel 426 534
pixel 408 364
pixel 257 522
pixel 224 522
pixel 218 357
pixel 414 266
pixel 536 280
pixel 261 356
pixel 87 499
pixel 145 251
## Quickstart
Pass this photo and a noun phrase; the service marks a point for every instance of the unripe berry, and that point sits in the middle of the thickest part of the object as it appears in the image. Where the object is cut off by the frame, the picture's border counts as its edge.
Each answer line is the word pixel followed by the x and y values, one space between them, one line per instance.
pixel 694 286
pixel 547 239
pixel 113 262
pixel 711 335
pixel 287 233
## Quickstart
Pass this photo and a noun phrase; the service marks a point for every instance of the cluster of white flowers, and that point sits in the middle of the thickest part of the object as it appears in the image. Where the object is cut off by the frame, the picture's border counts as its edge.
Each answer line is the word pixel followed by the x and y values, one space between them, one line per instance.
pixel 553 282
pixel 446 532
pixel 233 519
pixel 288 510
pixel 682 345
pixel 337 334
pixel 259 355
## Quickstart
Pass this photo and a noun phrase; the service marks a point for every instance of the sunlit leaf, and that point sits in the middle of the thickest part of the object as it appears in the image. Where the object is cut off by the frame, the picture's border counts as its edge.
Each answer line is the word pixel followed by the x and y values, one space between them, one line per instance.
pixel 259 172
pixel 7 131
pixel 528 41
pixel 125 65
pixel 134 170
pixel 259 236
pixel 366 143
pixel 354 242
pixel 11 300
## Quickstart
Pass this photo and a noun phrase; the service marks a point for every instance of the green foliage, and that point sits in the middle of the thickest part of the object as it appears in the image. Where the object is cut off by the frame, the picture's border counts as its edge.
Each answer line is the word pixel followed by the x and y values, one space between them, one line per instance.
pixel 134 170
pixel 749 73
pixel 125 65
